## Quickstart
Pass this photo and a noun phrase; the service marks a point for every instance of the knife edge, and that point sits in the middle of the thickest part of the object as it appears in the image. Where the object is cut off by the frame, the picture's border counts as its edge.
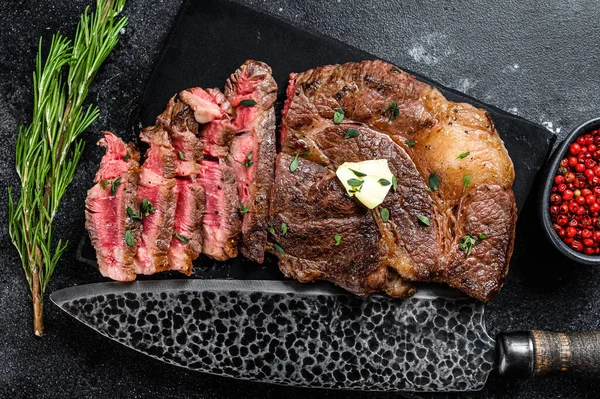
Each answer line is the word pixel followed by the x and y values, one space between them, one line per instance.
pixel 425 291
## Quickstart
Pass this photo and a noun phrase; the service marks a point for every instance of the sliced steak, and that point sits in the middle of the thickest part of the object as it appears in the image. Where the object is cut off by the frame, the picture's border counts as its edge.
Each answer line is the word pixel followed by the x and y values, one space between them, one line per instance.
pixel 107 220
pixel 390 109
pixel 157 191
pixel 221 223
pixel 216 134
pixel 179 120
pixel 253 152
pixel 186 244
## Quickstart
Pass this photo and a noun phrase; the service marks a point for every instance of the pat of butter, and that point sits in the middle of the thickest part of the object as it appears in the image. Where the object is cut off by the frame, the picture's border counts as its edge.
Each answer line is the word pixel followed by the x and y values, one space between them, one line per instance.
pixel 371 192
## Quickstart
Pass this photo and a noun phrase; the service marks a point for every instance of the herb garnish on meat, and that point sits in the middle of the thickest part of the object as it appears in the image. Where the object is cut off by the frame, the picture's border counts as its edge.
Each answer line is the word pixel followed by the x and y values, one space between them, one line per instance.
pixel 392 111
pixel 424 220
pixel 338 117
pixel 294 164
pixel 351 133
pixel 466 181
pixel 434 181
pixel 338 239
pixel 467 242
pixel 248 103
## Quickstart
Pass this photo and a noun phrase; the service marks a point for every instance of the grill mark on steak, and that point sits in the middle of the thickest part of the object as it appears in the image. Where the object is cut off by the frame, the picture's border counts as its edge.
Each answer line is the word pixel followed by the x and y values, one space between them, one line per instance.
pixel 442 130
pixel 106 214
pixel 252 153
pixel 157 185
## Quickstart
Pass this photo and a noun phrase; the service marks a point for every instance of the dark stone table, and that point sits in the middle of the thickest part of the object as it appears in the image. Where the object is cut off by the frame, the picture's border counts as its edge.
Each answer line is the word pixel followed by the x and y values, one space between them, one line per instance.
pixel 535 59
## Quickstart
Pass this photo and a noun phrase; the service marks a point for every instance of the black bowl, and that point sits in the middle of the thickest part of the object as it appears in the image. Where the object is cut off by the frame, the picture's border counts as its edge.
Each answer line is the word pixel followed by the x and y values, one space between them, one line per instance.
pixel 548 178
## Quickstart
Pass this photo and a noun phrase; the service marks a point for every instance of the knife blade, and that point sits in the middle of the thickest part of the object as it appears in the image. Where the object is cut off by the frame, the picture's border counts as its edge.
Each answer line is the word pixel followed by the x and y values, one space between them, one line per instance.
pixel 295 334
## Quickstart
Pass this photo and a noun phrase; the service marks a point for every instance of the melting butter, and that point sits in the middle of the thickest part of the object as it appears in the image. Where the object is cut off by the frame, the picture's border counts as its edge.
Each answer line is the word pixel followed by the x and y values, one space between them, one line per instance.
pixel 370 189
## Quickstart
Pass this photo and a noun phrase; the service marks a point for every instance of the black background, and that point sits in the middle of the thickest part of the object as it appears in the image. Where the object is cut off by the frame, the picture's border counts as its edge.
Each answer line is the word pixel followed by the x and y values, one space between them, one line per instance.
pixel 536 60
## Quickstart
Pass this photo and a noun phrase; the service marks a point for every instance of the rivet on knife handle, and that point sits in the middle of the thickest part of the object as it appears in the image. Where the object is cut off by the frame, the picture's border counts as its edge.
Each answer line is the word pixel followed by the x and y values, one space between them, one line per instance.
pixel 539 353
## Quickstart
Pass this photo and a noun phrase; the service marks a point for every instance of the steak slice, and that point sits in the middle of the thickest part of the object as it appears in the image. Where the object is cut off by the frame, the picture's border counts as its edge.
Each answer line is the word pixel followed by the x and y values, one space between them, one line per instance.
pixel 390 109
pixel 253 152
pixel 186 244
pixel 157 190
pixel 106 217
pixel 221 223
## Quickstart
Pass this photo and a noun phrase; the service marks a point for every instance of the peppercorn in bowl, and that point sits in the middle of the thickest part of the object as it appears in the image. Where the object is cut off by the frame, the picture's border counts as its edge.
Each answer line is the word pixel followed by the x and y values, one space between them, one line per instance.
pixel 570 195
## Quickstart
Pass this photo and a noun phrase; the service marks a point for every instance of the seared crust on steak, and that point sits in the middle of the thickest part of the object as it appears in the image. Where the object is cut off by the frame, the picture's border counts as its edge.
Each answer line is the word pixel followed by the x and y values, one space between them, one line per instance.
pixel 441 130
pixel 157 186
pixel 179 120
pixel 255 139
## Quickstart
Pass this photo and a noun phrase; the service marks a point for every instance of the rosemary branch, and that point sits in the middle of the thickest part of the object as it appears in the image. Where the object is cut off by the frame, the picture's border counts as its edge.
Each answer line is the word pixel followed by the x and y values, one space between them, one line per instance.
pixel 48 149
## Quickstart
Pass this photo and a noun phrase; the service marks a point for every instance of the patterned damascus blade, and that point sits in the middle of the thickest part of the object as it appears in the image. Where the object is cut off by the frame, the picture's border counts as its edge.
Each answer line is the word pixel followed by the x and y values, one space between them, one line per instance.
pixel 295 334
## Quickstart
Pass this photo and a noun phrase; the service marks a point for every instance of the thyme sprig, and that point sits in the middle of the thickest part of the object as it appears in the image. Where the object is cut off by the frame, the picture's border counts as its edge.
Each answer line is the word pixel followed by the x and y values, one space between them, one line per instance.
pixel 48 149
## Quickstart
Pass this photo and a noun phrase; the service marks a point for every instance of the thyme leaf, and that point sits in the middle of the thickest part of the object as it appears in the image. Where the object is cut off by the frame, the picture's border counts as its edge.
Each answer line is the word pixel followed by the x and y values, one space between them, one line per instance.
pixel 466 181
pixel 181 238
pixel 385 214
pixel 355 182
pixel 434 181
pixel 424 220
pixel 357 173
pixel 392 111
pixel 248 103
pixel 294 164
pixel 115 186
pixel 278 248
pixel 338 239
pixel 351 133
pixel 129 238
pixel 338 117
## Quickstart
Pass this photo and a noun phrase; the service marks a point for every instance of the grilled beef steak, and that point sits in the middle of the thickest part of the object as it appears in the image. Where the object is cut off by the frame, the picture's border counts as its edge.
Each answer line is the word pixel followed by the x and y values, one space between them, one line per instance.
pixel 221 221
pixel 212 181
pixel 156 194
pixel 471 214
pixel 106 217
pixel 179 120
pixel 252 91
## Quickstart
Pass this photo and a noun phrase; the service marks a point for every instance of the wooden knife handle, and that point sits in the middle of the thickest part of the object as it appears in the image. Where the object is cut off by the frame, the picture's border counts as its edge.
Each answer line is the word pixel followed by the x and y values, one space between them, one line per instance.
pixel 528 354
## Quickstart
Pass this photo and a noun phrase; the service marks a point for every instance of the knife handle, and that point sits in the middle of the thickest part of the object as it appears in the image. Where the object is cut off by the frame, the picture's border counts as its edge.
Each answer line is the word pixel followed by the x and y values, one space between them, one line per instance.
pixel 528 354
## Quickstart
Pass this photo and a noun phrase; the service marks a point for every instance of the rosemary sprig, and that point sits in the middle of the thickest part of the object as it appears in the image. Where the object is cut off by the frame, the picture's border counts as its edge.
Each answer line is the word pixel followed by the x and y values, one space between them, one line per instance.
pixel 48 149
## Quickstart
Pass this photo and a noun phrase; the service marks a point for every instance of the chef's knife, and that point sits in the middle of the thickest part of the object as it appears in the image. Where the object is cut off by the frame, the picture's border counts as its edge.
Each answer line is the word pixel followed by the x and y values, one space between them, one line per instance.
pixel 318 336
